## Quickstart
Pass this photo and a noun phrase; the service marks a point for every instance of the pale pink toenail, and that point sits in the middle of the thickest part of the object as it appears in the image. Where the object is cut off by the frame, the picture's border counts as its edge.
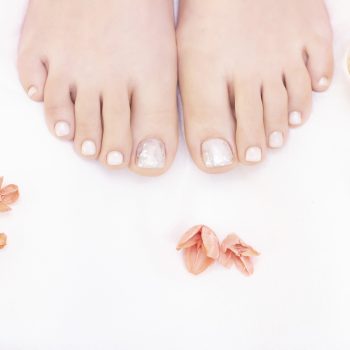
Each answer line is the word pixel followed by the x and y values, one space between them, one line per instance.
pixel 216 153
pixel 115 158
pixel 323 82
pixel 253 155
pixel 62 129
pixel 32 91
pixel 276 139
pixel 295 118
pixel 88 148
pixel 151 154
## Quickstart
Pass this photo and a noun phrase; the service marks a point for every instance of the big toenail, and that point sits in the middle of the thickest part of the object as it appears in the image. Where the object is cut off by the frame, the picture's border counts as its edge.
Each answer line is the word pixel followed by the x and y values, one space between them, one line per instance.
pixel 323 82
pixel 216 153
pixel 151 154
pixel 88 148
pixel 253 155
pixel 32 91
pixel 295 118
pixel 115 158
pixel 276 139
pixel 62 129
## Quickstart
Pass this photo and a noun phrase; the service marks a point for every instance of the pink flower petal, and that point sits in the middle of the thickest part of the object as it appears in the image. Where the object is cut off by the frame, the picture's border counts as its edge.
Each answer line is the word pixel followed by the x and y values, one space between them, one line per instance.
pixel 9 194
pixel 196 259
pixel 190 238
pixel 3 238
pixel 211 243
pixel 234 251
pixel 4 207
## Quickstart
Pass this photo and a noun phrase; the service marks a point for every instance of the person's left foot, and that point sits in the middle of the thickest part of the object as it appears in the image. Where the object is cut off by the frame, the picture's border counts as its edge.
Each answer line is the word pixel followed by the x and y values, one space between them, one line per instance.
pixel 247 69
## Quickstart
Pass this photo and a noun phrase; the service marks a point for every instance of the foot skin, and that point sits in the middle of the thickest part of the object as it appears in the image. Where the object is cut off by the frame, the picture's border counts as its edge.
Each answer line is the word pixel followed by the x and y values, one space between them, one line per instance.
pixel 107 74
pixel 247 71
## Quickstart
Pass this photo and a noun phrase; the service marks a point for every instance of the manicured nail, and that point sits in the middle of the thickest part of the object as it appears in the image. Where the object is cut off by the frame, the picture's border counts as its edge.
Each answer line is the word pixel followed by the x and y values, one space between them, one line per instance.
pixel 115 158
pixel 88 148
pixel 216 153
pixel 276 139
pixel 323 82
pixel 32 91
pixel 295 118
pixel 62 129
pixel 151 154
pixel 253 155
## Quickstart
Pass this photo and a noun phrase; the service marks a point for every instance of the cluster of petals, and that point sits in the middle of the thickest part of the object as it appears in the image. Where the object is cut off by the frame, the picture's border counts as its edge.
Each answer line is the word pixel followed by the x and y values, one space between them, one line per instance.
pixel 202 248
pixel 8 195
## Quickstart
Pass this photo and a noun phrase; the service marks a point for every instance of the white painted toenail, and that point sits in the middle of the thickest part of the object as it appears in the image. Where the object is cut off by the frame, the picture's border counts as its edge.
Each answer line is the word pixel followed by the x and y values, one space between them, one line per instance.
pixel 253 155
pixel 216 153
pixel 88 148
pixel 32 91
pixel 295 118
pixel 151 154
pixel 323 82
pixel 276 139
pixel 62 129
pixel 115 158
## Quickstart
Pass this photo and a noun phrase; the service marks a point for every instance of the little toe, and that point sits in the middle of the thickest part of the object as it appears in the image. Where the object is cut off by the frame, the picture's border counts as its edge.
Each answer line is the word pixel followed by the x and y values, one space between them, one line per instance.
pixel 33 75
pixel 59 107
pixel 275 101
pixel 88 132
pixel 117 138
pixel 250 135
pixel 320 63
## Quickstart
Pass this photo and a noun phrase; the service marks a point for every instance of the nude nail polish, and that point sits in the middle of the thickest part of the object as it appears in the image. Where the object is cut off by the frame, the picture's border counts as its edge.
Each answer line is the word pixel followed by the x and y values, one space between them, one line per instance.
pixel 62 129
pixel 295 118
pixel 216 153
pixel 253 155
pixel 115 158
pixel 151 154
pixel 88 148
pixel 276 139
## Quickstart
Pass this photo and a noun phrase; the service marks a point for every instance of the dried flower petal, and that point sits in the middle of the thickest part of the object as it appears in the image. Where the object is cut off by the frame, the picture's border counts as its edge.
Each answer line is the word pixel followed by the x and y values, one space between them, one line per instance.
pixel 3 238
pixel 201 247
pixel 234 251
pixel 8 195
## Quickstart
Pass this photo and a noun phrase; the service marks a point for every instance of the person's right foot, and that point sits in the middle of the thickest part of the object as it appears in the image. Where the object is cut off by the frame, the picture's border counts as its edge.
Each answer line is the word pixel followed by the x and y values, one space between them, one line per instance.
pixel 247 70
pixel 106 71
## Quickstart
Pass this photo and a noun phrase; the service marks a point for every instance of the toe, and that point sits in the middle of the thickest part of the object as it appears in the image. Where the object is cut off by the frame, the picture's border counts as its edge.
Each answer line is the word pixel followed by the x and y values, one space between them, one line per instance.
pixel 154 127
pixel 299 90
pixel 209 123
pixel 117 138
pixel 33 75
pixel 59 107
pixel 250 135
pixel 320 63
pixel 88 133
pixel 275 102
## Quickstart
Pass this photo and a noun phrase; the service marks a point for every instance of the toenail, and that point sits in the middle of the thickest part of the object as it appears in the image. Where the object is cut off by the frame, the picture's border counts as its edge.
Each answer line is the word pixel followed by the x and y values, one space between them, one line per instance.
pixel 62 129
pixel 115 158
pixel 88 148
pixel 151 154
pixel 216 153
pixel 253 155
pixel 295 118
pixel 323 82
pixel 276 139
pixel 32 91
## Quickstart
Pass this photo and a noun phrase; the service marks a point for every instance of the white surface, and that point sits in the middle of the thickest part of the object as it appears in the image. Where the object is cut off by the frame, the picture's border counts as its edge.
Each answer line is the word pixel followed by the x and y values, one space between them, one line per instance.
pixel 91 261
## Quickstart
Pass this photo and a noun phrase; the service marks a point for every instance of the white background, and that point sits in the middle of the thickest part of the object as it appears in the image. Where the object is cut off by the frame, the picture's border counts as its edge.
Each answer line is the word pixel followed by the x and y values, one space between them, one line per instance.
pixel 91 261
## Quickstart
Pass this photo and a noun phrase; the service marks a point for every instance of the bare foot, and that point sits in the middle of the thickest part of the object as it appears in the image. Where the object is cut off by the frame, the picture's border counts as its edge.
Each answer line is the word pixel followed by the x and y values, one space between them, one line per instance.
pixel 106 71
pixel 247 71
